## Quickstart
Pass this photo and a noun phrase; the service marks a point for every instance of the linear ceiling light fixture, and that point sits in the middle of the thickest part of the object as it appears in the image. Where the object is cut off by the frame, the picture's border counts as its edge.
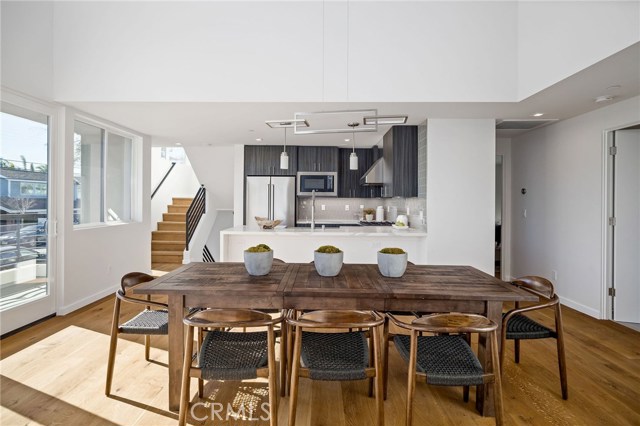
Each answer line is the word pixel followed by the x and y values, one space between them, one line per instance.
pixel 333 121
pixel 353 158
pixel 286 123
pixel 385 119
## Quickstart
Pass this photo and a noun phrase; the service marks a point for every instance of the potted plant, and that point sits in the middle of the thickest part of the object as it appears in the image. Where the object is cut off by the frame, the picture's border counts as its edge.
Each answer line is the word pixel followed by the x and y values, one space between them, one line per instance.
pixel 328 261
pixel 392 262
pixel 368 214
pixel 258 259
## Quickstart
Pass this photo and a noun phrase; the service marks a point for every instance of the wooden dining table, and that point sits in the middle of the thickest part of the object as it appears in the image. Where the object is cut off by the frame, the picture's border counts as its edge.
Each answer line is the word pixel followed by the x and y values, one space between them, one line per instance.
pixel 423 288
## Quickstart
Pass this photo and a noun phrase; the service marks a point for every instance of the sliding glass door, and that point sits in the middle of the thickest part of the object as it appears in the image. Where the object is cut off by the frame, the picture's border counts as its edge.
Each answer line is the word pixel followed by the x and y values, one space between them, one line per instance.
pixel 26 292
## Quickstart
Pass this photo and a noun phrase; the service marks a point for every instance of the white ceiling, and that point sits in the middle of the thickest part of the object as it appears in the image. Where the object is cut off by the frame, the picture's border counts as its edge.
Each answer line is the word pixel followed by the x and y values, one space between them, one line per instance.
pixel 225 123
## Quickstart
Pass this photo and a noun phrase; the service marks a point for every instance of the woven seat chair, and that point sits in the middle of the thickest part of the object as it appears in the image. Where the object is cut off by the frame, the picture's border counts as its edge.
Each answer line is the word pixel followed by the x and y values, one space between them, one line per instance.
pixel 516 326
pixel 230 355
pixel 447 359
pixel 148 322
pixel 336 355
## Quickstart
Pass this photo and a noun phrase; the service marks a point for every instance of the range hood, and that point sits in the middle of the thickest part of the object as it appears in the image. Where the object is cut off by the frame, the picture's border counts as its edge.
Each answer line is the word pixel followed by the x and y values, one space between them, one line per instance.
pixel 374 176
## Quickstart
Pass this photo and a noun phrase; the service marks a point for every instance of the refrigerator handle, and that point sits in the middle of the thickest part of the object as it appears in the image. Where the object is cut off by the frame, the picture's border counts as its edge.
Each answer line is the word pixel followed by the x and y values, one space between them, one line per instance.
pixel 273 201
pixel 269 201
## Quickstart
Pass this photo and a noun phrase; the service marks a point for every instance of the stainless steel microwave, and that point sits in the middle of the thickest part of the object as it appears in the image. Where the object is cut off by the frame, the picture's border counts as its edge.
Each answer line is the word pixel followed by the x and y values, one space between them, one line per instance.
pixel 324 183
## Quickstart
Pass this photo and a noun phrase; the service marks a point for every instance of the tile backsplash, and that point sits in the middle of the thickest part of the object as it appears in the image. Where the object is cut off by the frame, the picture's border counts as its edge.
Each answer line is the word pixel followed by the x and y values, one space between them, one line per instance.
pixel 335 208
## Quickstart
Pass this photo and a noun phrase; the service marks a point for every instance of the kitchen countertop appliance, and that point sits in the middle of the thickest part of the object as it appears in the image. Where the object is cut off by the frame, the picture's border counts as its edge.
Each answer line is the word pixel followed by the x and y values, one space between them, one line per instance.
pixel 272 197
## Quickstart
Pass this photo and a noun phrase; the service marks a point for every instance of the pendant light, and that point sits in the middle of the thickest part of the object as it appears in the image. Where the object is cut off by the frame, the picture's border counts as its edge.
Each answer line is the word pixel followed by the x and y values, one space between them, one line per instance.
pixel 284 157
pixel 353 158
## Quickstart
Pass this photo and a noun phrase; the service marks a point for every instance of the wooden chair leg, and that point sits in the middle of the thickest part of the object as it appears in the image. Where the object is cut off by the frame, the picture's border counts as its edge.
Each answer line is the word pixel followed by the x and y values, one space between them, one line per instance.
pixel 385 356
pixel 112 347
pixel 465 393
pixel 273 385
pixel 186 378
pixel 562 362
pixel 516 350
pixel 283 359
pixel 497 385
pixel 147 347
pixel 200 337
pixel 503 345
pixel 411 386
pixel 377 355
pixel 290 337
pixel 371 360
pixel 293 397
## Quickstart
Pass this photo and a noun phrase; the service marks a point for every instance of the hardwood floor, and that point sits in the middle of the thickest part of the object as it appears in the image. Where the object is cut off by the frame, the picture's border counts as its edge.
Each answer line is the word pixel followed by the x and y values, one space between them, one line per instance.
pixel 54 373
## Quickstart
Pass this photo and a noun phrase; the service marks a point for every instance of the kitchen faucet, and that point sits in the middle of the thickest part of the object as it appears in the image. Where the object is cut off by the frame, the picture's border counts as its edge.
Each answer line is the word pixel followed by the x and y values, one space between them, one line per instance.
pixel 313 209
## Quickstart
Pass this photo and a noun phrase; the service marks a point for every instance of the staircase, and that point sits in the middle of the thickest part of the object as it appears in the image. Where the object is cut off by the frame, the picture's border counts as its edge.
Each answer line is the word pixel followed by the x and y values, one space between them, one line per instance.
pixel 168 242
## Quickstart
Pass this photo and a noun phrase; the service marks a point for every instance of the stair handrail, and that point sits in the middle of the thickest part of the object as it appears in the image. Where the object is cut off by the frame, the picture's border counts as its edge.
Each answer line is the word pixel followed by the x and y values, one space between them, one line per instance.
pixel 173 164
pixel 194 213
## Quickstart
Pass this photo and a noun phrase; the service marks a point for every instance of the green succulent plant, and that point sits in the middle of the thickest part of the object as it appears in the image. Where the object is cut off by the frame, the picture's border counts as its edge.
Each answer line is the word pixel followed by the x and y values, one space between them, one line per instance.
pixel 328 249
pixel 260 248
pixel 392 250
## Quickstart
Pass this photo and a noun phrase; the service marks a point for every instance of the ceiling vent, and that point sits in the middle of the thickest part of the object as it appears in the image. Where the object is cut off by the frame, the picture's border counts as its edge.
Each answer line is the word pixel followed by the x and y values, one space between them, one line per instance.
pixel 522 124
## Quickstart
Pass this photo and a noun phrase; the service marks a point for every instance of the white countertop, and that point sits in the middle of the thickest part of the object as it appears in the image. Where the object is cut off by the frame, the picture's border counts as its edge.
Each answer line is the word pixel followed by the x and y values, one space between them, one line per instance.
pixel 344 231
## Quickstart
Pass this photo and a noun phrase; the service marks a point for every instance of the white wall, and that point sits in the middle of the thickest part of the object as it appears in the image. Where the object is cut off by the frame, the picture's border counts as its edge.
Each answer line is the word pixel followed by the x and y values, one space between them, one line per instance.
pixel 277 51
pixel 460 192
pixel 561 166
pixel 214 168
pixel 181 182
pixel 95 258
pixel 559 38
pixel 27 47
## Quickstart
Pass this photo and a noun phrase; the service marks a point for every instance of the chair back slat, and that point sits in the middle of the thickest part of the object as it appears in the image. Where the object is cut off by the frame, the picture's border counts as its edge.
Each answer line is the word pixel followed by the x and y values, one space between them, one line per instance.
pixel 133 279
pixel 536 285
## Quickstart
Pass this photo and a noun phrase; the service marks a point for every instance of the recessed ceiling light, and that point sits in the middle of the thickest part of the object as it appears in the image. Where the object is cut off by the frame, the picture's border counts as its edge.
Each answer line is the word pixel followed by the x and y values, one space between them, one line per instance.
pixel 347 140
pixel 538 114
pixel 258 139
pixel 604 98
pixel 178 143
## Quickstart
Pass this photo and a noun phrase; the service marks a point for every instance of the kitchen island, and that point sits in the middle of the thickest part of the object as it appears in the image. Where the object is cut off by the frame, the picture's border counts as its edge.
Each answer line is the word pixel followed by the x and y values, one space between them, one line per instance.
pixel 359 243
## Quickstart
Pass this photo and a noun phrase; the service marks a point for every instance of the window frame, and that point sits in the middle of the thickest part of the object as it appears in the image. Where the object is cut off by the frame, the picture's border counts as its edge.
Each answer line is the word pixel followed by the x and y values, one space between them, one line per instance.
pixel 136 174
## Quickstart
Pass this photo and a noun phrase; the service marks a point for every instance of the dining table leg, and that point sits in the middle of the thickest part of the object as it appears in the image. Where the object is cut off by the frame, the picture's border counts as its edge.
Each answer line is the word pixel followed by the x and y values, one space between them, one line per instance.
pixel 176 348
pixel 484 393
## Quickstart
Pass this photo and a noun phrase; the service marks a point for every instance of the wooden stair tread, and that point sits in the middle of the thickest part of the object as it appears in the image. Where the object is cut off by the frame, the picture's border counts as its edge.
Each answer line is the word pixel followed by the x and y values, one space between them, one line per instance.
pixel 167 252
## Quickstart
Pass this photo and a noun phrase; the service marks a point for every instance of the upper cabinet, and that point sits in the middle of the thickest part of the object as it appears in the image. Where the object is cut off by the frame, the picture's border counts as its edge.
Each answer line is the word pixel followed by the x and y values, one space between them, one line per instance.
pixel 349 180
pixel 400 146
pixel 317 159
pixel 265 160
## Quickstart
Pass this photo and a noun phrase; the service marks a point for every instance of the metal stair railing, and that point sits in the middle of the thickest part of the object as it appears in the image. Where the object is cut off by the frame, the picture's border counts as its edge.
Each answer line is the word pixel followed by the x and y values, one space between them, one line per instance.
pixel 195 212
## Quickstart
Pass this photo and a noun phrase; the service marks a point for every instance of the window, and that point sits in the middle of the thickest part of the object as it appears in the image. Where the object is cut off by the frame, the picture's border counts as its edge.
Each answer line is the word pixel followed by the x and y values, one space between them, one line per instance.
pixel 31 188
pixel 105 174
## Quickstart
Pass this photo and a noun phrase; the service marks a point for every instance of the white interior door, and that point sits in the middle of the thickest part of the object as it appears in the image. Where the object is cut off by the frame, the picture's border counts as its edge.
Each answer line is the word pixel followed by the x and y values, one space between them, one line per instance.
pixel 26 225
pixel 626 244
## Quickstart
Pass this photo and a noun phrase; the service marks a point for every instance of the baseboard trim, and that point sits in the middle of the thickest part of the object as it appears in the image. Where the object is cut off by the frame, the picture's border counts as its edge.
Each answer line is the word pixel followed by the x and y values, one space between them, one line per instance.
pixel 64 310
pixel 581 308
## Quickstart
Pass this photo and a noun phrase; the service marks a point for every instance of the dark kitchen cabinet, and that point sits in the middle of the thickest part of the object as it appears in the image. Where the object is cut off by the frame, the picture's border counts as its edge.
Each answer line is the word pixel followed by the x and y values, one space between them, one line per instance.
pixel 317 159
pixel 265 160
pixel 349 180
pixel 401 162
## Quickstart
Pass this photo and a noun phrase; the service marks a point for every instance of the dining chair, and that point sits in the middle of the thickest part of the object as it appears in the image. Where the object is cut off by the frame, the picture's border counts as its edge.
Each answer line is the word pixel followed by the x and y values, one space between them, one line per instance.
pixel 516 326
pixel 446 359
pixel 333 346
pixel 148 322
pixel 225 354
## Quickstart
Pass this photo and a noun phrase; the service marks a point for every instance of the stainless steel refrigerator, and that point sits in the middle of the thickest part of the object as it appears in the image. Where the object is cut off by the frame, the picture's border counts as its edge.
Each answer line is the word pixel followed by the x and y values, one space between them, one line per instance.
pixel 273 197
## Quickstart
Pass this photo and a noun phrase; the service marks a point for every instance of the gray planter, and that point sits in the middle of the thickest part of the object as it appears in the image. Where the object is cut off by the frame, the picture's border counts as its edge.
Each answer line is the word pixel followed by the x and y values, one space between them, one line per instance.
pixel 392 265
pixel 258 263
pixel 327 264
